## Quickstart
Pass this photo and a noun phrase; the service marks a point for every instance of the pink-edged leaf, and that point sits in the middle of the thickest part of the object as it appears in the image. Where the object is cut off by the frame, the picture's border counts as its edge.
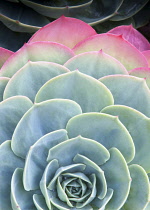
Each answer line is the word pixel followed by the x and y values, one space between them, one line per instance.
pixel 133 36
pixel 142 73
pixel 36 51
pixel 96 64
pixel 64 30
pixel 4 55
pixel 116 46
pixel 147 56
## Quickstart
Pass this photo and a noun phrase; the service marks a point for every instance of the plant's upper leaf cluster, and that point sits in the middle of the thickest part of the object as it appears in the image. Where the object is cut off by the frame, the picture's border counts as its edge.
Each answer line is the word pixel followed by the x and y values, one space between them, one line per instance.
pixel 24 17
pixel 75 120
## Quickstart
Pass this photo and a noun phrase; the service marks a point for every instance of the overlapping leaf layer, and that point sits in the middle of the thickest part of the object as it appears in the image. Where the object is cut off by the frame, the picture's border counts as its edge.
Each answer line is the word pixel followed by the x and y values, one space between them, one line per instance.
pixel 19 19
pixel 75 121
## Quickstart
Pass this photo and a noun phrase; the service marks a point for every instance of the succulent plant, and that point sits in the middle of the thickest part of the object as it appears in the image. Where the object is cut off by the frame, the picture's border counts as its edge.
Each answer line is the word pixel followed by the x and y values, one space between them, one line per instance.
pixel 21 18
pixel 75 122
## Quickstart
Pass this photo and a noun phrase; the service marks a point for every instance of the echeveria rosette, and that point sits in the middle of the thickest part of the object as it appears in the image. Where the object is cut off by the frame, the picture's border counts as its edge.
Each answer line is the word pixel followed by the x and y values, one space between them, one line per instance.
pixel 72 134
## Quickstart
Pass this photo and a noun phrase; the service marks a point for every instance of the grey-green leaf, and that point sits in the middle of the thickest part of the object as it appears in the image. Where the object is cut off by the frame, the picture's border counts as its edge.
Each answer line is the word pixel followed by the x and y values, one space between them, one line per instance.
pixel 105 129
pixel 11 111
pixel 36 158
pixel 47 116
pixel 93 168
pixel 24 82
pixel 3 83
pixel 96 64
pixel 101 203
pixel 8 163
pixel 118 178
pixel 39 202
pixel 19 197
pixel 125 87
pixel 74 86
pixel 68 168
pixel 48 174
pixel 70 148
pixel 140 189
pixel 134 121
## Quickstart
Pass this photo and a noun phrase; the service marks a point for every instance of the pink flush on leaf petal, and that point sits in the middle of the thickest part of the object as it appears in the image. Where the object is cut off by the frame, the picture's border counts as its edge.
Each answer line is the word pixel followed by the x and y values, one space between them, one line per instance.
pixel 147 56
pixel 142 73
pixel 4 55
pixel 132 36
pixel 115 46
pixel 64 30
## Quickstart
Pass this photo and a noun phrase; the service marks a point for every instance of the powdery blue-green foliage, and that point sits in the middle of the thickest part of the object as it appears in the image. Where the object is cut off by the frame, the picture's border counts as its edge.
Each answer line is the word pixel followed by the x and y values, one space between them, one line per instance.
pixel 72 139
pixel 75 147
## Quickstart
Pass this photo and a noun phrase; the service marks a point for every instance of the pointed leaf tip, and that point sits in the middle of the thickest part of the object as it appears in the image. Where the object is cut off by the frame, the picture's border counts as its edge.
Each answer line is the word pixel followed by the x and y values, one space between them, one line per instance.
pixel 72 30
pixel 115 46
pixel 4 55
pixel 133 36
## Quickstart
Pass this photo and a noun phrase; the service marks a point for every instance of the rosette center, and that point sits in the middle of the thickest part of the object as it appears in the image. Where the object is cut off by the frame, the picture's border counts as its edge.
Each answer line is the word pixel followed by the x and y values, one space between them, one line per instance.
pixel 76 188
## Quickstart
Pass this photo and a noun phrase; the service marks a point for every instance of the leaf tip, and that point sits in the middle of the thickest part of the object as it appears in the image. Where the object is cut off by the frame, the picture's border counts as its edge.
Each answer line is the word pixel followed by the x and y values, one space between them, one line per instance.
pixel 100 51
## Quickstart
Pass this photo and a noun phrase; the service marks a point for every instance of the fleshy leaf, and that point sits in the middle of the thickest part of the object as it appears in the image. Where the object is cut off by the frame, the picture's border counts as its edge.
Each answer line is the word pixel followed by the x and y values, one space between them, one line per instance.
pixel 128 9
pixel 98 153
pixel 74 86
pixel 116 46
pixel 58 204
pixel 148 206
pixel 139 194
pixel 38 163
pixel 24 82
pixel 4 55
pixel 133 36
pixel 96 64
pixel 71 182
pixel 62 194
pixel 3 83
pixel 92 195
pixel 134 121
pixel 39 202
pixel 8 163
pixel 142 73
pixel 38 51
pixel 20 18
pixel 105 129
pixel 48 174
pixel 78 175
pixel 19 197
pixel 147 55
pixel 101 203
pixel 47 116
pixel 92 168
pixel 54 9
pixel 118 178
pixel 62 170
pixel 82 199
pixel 64 30
pixel 91 12
pixel 11 111
pixel 125 87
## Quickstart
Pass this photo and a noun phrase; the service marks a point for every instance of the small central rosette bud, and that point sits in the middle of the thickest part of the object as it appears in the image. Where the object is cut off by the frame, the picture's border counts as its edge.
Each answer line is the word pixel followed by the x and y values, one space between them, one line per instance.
pixel 75 182
pixel 76 186
pixel 76 189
